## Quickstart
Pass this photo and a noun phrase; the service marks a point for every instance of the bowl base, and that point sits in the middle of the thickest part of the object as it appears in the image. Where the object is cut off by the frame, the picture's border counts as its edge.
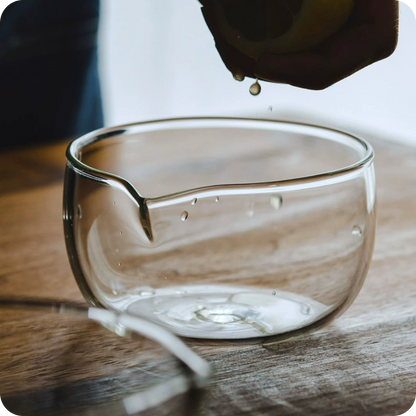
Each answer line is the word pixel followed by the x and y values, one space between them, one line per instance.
pixel 224 312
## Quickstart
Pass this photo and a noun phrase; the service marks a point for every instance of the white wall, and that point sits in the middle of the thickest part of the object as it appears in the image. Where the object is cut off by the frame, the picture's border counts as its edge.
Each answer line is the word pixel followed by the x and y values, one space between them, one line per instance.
pixel 158 60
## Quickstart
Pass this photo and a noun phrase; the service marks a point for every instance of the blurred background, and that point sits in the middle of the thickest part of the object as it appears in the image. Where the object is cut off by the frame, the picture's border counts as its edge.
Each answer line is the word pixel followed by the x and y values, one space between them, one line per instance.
pixel 157 59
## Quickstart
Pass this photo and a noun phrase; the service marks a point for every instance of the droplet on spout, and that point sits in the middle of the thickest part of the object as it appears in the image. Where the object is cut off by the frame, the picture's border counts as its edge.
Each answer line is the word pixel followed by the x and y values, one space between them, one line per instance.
pixel 255 89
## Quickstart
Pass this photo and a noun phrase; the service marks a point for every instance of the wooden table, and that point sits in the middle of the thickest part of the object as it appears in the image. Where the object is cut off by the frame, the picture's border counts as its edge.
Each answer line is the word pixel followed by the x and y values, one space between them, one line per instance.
pixel 363 364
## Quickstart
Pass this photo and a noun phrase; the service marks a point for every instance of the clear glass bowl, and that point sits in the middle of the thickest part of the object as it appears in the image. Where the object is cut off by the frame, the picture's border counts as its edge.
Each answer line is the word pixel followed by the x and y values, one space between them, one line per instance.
pixel 62 359
pixel 221 228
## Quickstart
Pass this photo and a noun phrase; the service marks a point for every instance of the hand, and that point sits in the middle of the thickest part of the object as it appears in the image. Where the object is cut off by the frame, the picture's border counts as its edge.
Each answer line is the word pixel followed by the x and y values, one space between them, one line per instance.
pixel 370 35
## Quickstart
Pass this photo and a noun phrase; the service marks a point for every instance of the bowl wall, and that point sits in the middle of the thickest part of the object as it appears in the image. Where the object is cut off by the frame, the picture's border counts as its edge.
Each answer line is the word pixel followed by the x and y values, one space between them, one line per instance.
pixel 221 228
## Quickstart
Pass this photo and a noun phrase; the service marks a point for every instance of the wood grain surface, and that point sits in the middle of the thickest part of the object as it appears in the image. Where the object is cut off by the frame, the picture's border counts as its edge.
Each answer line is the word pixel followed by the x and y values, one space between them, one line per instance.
pixel 362 364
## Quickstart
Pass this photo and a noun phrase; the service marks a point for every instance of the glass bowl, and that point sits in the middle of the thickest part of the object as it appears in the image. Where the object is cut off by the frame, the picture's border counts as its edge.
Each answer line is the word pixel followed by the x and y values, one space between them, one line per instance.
pixel 62 359
pixel 221 228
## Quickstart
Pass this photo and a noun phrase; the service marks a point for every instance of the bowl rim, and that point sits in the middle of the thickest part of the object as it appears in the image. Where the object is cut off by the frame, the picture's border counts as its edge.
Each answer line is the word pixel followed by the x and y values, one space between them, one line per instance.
pixel 326 178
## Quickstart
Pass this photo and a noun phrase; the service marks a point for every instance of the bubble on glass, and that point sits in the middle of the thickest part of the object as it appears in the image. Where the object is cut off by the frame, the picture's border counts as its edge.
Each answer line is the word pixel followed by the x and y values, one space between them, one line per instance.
pixel 121 232
pixel 117 250
pixel 270 109
pixel 306 309
pixel 166 278
pixel 276 201
pixel 119 264
pixel 115 292
pixel 79 212
pixel 194 201
pixel 250 211
pixel 217 199
pixel 184 216
pixel 255 88
pixel 357 231
pixel 274 293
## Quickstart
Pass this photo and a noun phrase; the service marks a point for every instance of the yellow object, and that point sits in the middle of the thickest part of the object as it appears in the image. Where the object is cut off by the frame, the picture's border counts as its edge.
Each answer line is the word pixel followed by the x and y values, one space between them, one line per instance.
pixel 316 21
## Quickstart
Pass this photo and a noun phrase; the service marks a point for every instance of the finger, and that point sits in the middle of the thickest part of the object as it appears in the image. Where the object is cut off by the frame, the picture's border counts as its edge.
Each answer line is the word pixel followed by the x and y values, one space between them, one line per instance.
pixel 348 52
pixel 235 61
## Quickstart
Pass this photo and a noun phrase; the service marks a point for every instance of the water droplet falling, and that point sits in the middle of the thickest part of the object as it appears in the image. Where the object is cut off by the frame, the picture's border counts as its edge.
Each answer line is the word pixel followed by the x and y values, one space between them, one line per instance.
pixel 184 216
pixel 79 212
pixel 276 201
pixel 357 231
pixel 194 201
pixel 217 199
pixel 255 89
